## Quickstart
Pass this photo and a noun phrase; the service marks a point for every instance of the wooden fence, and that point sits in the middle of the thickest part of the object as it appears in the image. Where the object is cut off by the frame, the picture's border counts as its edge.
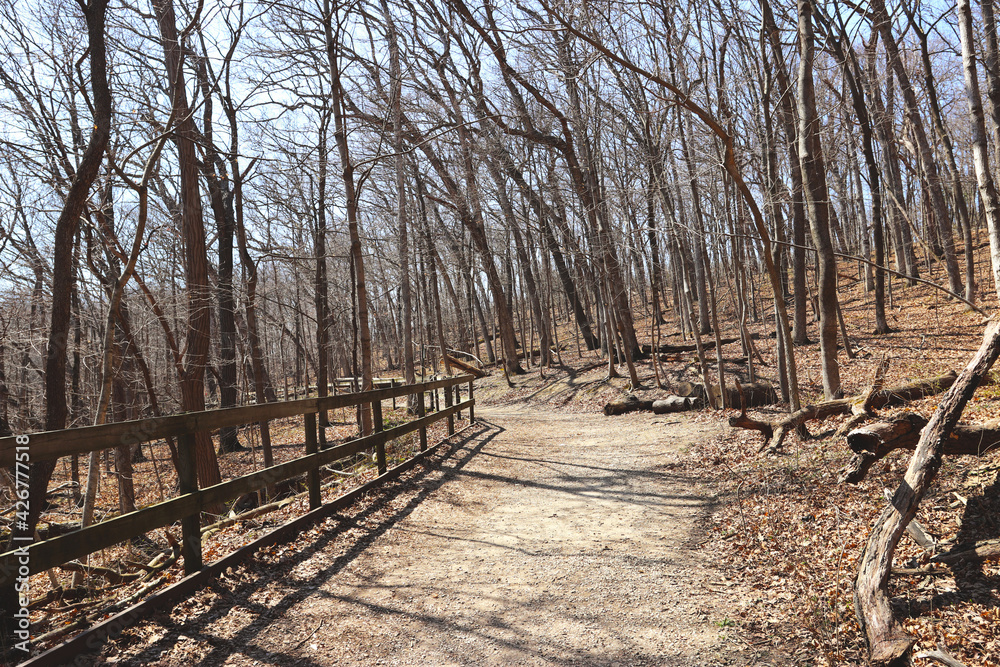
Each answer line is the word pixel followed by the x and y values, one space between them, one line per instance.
pixel 187 506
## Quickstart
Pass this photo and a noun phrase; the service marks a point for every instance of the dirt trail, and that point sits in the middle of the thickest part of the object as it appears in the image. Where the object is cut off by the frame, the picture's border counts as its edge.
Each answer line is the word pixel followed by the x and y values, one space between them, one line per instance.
pixel 542 539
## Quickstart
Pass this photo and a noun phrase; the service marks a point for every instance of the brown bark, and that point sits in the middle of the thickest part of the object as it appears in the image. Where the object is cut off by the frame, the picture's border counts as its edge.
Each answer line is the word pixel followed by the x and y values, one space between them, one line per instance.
pixel 347 174
pixel 196 259
pixel 63 276
pixel 853 76
pixel 817 205
pixel 844 406
pixel 56 408
pixel 887 642
pixel 462 366
pixel 221 202
pixel 873 442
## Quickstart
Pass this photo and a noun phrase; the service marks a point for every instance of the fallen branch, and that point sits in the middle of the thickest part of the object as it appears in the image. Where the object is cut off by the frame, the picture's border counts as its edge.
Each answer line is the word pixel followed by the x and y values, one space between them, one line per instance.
pixel 208 531
pixel 866 403
pixel 465 366
pixel 887 641
pixel 915 530
pixel 872 442
pixel 971 553
pixel 743 421
pixel 106 573
pixel 941 655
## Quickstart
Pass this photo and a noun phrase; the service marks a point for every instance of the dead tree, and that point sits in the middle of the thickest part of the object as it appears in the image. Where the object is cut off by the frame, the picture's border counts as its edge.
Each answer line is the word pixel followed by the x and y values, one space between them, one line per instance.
pixel 887 641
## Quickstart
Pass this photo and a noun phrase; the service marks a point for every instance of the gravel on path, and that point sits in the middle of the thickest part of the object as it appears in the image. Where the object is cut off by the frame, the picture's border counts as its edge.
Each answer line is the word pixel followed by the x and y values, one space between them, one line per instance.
pixel 540 538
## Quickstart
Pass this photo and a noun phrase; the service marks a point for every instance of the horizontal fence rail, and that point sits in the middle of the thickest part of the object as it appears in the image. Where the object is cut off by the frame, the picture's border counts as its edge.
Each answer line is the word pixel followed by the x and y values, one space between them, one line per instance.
pixel 186 507
pixel 47 445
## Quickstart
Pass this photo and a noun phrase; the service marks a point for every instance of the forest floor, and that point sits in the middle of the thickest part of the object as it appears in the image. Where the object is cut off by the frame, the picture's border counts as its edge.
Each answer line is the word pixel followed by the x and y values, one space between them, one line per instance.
pixel 755 564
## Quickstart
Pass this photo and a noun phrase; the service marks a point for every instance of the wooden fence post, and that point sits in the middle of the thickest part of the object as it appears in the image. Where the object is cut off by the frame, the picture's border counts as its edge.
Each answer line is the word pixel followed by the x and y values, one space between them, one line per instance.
pixel 187 482
pixel 448 404
pixel 421 411
pixel 458 399
pixel 312 446
pixel 472 408
pixel 377 425
pixel 392 385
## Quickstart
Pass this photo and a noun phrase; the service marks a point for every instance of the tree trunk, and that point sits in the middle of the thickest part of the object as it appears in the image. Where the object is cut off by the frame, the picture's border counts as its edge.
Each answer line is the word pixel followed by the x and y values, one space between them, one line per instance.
pixel 63 275
pixel 991 62
pixel 926 154
pixel 817 203
pixel 221 201
pixel 347 173
pixel 789 122
pixel 321 285
pixel 399 164
pixel 980 154
pixel 196 261
pixel 906 261
pixel 958 194
pixel 887 642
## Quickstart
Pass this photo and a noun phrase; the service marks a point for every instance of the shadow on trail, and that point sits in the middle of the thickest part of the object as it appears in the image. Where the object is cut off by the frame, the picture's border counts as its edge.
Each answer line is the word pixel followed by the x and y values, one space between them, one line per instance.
pixel 613 486
pixel 573 387
pixel 269 593
pixel 457 453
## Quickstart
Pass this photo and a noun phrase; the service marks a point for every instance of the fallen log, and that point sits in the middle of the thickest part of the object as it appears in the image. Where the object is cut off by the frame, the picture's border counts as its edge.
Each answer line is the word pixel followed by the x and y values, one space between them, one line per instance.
pixel 872 442
pixel 970 553
pixel 675 404
pixel 887 641
pixel 632 403
pixel 686 347
pixel 690 389
pixel 862 404
pixel 755 395
pixel 467 367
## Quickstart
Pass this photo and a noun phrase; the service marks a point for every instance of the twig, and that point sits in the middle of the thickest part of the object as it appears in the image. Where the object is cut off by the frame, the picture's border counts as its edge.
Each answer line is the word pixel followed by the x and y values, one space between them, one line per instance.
pixel 942 656
pixel 301 643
